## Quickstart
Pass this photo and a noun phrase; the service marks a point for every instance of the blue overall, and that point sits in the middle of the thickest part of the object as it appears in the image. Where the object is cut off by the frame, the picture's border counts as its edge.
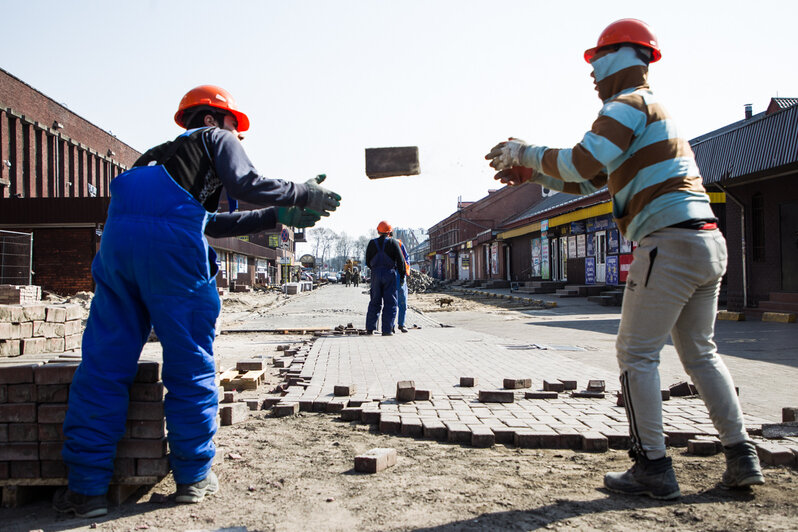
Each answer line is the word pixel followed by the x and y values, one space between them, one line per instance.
pixel 154 268
pixel 383 290
pixel 401 291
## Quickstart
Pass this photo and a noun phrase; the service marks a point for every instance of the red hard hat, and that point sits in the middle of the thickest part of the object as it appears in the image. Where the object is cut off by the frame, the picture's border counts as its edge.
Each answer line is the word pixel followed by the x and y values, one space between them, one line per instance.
pixel 212 96
pixel 627 30
pixel 384 228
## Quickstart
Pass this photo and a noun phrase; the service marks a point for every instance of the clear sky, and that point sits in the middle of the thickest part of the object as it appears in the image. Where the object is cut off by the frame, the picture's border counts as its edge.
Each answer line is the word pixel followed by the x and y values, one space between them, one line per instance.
pixel 322 80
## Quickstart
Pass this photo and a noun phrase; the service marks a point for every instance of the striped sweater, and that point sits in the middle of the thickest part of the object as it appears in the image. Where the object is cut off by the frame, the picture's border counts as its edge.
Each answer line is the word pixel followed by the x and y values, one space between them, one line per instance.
pixel 634 148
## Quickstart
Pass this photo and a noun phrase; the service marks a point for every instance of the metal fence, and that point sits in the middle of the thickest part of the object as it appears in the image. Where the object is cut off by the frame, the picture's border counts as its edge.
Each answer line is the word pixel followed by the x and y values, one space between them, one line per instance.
pixel 16 258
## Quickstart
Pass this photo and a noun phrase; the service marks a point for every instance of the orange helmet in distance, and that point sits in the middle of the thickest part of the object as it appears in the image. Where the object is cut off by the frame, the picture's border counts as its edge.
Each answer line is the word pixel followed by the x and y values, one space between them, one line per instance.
pixel 627 30
pixel 212 96
pixel 384 228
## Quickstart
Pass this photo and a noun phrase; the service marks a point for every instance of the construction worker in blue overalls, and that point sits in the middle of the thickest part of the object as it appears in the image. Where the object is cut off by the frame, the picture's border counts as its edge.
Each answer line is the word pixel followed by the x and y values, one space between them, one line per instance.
pixel 156 270
pixel 384 258
pixel 401 288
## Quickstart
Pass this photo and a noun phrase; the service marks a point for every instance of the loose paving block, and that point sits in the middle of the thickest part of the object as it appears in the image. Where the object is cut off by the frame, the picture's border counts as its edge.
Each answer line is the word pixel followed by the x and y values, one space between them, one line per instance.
pixel 391 162
pixel 252 364
pixel 482 436
pixel 789 414
pixel 702 447
pixel 336 405
pixel 779 317
pixel 270 400
pixel 344 390
pixel 375 460
pixel 411 427
pixel 320 404
pixel 666 395
pixel 33 346
pixel 458 433
pixel 679 438
pixel 596 385
pixel 468 382
pixel 775 454
pixel 769 430
pixel 496 396
pixel 286 408
pixel 228 397
pixel 552 385
pixel 152 467
pixel 568 384
pixel 148 371
pixel 541 395
pixel 434 429
pixel 134 448
pixel 515 384
pixel 422 395
pixel 234 413
pixel 17 412
pixel 617 439
pixel 730 316
pixel 680 389
pixel 253 404
pixel 54 345
pixel 587 394
pixel 145 410
pixel 595 442
pixel 405 391
pixel 390 424
pixel 370 416
pixel 350 413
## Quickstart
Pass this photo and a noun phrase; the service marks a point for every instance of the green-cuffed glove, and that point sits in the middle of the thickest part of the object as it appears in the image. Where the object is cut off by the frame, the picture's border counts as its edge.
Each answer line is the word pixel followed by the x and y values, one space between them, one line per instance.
pixel 296 217
pixel 320 199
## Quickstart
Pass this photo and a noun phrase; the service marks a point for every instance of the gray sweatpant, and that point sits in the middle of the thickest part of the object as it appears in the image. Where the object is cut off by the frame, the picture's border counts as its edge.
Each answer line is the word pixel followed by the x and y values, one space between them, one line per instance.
pixel 672 287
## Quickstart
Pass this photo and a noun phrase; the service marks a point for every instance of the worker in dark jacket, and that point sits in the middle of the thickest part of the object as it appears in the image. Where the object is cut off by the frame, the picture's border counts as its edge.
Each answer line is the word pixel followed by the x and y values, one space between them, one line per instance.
pixel 156 270
pixel 384 257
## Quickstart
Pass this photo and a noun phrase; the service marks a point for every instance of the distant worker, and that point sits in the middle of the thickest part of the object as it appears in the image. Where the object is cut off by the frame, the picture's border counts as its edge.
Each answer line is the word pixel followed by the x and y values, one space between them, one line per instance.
pixel 673 284
pixel 156 270
pixel 356 277
pixel 401 288
pixel 384 258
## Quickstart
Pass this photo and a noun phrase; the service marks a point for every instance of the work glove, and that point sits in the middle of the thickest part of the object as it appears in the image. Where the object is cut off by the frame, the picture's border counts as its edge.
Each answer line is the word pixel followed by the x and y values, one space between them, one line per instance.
pixel 515 175
pixel 320 199
pixel 296 217
pixel 507 154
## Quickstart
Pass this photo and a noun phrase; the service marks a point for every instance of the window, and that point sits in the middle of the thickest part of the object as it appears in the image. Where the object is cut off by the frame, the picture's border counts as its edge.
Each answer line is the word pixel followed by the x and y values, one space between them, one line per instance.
pixel 758 227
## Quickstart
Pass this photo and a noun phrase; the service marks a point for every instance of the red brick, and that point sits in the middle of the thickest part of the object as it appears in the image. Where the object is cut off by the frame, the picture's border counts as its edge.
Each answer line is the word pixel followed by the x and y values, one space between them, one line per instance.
pixel 468 382
pixel 458 432
pixel 51 431
pixel 411 426
pixel 702 447
pixel 139 448
pixel 52 412
pixel 53 469
pixel 370 416
pixel 56 373
pixel 52 393
pixel 335 405
pixel 504 434
pixel 514 384
pixel 569 384
pixel 152 467
pixel 375 460
pixel 50 450
pixel 434 429
pixel 553 386
pixel 343 390
pixel 350 414
pixel 147 430
pixel 617 439
pixel 34 346
pixel 21 393
pixel 22 432
pixel 320 404
pixel 234 413
pixel 770 454
pixel 390 424
pixel 17 374
pixel 422 395
pixel 14 452
pixel 146 391
pixel 482 436
pixel 252 364
pixel 405 390
pixel 24 469
pixel 595 442
pixel 145 410
pixel 496 396
pixel 148 371
pixel 17 413
pixel 541 395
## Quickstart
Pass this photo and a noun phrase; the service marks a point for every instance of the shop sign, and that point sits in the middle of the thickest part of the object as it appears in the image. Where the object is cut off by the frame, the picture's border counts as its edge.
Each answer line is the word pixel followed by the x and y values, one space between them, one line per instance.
pixel 591 249
pixel 572 246
pixel 624 263
pixel 544 258
pixel 274 241
pixel 580 245
pixel 536 258
pixel 612 270
pixel 577 227
pixel 590 270
pixel 612 241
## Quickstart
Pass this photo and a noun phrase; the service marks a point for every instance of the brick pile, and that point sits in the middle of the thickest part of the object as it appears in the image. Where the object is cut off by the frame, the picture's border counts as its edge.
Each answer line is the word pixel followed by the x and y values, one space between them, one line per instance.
pixel 32 329
pixel 33 404
pixel 12 294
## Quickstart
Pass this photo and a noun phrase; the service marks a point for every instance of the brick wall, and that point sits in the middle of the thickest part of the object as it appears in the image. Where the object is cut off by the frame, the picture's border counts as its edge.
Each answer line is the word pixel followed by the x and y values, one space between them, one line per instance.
pixel 62 258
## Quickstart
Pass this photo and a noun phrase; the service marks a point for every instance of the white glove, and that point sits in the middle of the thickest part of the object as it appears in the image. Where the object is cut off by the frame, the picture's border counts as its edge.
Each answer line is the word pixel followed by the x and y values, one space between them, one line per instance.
pixel 507 154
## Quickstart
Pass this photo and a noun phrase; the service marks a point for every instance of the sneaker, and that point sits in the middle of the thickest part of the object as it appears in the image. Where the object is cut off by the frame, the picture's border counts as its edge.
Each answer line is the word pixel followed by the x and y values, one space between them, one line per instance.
pixel 370 331
pixel 65 501
pixel 387 334
pixel 196 492
pixel 654 478
pixel 403 328
pixel 742 466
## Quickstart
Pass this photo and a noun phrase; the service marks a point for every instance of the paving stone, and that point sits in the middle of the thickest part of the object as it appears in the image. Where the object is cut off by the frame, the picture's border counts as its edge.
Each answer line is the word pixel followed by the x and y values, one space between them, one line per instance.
pixel 370 416
pixel 375 460
pixel 50 450
pixel 587 394
pixel 148 371
pixel 515 384
pixel 458 432
pixel 134 448
pixel 617 439
pixel 234 413
pixel 789 414
pixel 496 396
pixel 595 442
pixel 770 454
pixel 702 447
pixel 412 427
pixel 24 469
pixel 679 438
pixel 22 432
pixel 482 436
pixel 552 385
pixel 20 393
pixel 17 374
pixel 344 390
pixel 17 413
pixel 253 404
pixel 596 385
pixel 541 395
pixel 55 373
pixel 468 382
pixel 503 434
pixel 351 413
pixel 390 424
pixel 680 389
pixel 250 364
pixel 568 384
pixel 152 467
pixel 769 430
pixel 434 429
pixel 146 391
pixel 52 469
pixel 50 431
pixel 19 451
pixel 405 391
pixel 141 429
pixel 52 393
pixel 145 410
pixel 422 395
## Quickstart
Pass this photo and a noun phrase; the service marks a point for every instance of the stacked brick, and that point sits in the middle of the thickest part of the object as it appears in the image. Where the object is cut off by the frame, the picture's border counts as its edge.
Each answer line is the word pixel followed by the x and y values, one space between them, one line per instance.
pixel 33 329
pixel 33 404
pixel 11 294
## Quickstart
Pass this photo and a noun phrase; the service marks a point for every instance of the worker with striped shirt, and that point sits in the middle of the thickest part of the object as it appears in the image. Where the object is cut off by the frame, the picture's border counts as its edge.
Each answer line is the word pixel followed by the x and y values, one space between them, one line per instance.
pixel 659 201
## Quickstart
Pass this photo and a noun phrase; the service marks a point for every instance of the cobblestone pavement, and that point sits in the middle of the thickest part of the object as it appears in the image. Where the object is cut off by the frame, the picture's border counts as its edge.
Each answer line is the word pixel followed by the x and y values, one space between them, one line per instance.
pixel 435 358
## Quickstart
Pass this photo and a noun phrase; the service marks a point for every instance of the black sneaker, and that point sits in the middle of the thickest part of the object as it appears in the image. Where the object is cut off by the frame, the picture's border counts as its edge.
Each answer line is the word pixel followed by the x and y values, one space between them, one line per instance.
pixel 654 478
pixel 387 334
pixel 196 492
pixel 742 466
pixel 66 501
pixel 403 328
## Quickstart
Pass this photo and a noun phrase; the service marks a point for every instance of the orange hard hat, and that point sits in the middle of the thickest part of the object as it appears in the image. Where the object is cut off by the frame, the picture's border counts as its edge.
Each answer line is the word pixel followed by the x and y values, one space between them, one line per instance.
pixel 212 96
pixel 384 227
pixel 627 30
